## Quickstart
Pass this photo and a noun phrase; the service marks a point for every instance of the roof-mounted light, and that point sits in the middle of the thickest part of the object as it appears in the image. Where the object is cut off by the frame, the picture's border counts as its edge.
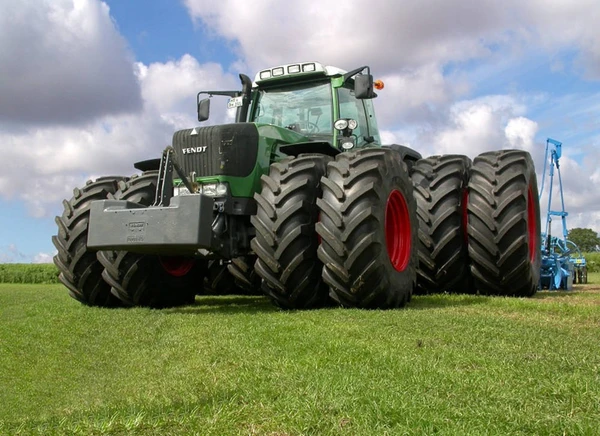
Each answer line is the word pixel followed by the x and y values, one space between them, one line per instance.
pixel 307 68
pixel 293 69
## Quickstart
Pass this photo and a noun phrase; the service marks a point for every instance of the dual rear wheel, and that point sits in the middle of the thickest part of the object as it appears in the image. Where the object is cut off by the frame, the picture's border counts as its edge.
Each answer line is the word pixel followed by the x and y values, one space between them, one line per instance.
pixel 337 230
pixel 479 224
pixel 456 226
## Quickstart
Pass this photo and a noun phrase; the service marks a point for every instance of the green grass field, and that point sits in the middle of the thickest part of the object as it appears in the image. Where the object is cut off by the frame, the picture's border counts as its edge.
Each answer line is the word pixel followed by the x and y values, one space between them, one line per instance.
pixel 236 365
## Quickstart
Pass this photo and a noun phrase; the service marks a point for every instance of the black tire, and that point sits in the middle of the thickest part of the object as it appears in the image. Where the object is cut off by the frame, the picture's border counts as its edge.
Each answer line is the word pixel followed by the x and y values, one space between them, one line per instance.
pixel 218 280
pixel 79 269
pixel 368 229
pixel 286 242
pixel 504 224
pixel 440 189
pixel 584 275
pixel 246 279
pixel 235 277
pixel 144 279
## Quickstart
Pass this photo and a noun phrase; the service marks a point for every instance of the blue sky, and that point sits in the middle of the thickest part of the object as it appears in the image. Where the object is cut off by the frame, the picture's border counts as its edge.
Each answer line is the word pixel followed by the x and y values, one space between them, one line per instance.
pixel 88 87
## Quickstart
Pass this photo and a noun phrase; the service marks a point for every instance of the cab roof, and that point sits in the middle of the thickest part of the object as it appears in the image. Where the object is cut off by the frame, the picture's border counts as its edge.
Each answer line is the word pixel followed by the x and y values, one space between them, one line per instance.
pixel 297 70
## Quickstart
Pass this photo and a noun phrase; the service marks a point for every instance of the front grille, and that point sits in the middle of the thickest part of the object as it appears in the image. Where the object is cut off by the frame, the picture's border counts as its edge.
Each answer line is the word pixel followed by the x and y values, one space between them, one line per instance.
pixel 226 150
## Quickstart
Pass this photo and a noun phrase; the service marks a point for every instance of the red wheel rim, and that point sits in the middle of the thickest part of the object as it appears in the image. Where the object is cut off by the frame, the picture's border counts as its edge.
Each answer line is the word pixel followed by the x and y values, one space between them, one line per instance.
pixel 532 230
pixel 176 266
pixel 397 230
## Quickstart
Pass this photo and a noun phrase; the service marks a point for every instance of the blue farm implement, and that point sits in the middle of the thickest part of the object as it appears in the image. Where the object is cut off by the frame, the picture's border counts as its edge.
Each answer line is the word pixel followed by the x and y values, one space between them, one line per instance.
pixel 562 261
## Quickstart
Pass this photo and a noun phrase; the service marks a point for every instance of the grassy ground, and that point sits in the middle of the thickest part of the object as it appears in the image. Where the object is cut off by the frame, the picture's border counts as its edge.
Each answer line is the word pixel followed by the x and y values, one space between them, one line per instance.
pixel 235 365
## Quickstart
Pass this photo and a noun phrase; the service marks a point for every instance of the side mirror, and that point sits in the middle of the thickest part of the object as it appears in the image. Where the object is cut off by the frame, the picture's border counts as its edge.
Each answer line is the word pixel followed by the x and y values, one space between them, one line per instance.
pixel 363 86
pixel 203 109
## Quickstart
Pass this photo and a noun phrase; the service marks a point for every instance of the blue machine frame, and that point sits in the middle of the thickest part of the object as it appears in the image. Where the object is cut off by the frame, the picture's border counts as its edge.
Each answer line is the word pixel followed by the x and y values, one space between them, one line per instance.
pixel 562 261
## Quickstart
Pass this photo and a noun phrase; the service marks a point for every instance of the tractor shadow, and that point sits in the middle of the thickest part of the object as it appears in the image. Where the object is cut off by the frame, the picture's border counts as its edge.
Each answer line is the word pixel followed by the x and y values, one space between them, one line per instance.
pixel 226 304
pixel 546 294
pixel 237 304
pixel 578 291
pixel 431 301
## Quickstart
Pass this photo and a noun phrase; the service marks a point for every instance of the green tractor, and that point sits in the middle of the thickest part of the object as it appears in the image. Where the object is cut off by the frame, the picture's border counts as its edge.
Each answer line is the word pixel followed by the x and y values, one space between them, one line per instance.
pixel 298 198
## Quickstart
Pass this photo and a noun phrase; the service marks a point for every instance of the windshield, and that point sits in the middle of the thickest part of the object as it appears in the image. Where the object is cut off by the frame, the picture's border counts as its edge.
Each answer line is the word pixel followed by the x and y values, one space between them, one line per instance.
pixel 303 108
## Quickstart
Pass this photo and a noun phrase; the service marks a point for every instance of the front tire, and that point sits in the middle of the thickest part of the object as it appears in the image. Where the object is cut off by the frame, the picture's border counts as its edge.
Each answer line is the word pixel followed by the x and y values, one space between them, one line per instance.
pixel 368 228
pixel 504 224
pixel 152 281
pixel 286 242
pixel 146 279
pixel 79 269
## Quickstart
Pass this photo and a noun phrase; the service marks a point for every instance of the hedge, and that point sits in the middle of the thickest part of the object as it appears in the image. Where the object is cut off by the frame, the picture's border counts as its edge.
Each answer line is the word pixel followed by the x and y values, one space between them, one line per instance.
pixel 38 273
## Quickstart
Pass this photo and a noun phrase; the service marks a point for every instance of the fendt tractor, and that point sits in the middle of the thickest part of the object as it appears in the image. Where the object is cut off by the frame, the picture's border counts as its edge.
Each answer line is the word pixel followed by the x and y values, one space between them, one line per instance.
pixel 299 199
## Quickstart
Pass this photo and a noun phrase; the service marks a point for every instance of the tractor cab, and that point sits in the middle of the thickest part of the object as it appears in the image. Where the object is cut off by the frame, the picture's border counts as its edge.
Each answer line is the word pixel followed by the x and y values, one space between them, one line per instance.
pixel 319 103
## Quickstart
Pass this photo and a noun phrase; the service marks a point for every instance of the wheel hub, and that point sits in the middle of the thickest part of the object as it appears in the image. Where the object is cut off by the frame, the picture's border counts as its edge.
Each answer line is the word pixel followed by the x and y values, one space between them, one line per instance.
pixel 176 266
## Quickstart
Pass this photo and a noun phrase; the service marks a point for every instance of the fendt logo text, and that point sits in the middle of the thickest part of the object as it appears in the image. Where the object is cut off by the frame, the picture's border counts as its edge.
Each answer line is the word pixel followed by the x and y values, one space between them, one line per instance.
pixel 194 150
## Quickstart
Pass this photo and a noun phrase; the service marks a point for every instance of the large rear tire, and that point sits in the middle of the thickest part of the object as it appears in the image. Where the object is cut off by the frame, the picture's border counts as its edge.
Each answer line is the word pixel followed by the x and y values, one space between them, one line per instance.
pixel 504 224
pixel 79 269
pixel 286 242
pixel 440 189
pixel 368 229
pixel 144 279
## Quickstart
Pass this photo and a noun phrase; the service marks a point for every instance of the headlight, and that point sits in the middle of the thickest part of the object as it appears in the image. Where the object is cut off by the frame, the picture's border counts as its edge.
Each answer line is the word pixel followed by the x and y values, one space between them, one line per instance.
pixel 348 144
pixel 214 189
pixel 210 189
pixel 341 124
pixel 345 123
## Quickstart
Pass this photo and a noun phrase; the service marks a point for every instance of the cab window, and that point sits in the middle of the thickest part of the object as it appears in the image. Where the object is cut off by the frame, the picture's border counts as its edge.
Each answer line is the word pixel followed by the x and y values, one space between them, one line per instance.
pixel 303 108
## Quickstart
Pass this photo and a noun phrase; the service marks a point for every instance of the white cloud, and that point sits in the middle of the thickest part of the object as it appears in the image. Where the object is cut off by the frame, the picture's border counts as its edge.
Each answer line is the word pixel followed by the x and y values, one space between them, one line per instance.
pixel 520 133
pixel 396 35
pixel 568 23
pixel 62 61
pixel 43 258
pixel 400 34
pixel 58 158
pixel 475 126
pixel 416 95
pixel 168 86
pixel 11 253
